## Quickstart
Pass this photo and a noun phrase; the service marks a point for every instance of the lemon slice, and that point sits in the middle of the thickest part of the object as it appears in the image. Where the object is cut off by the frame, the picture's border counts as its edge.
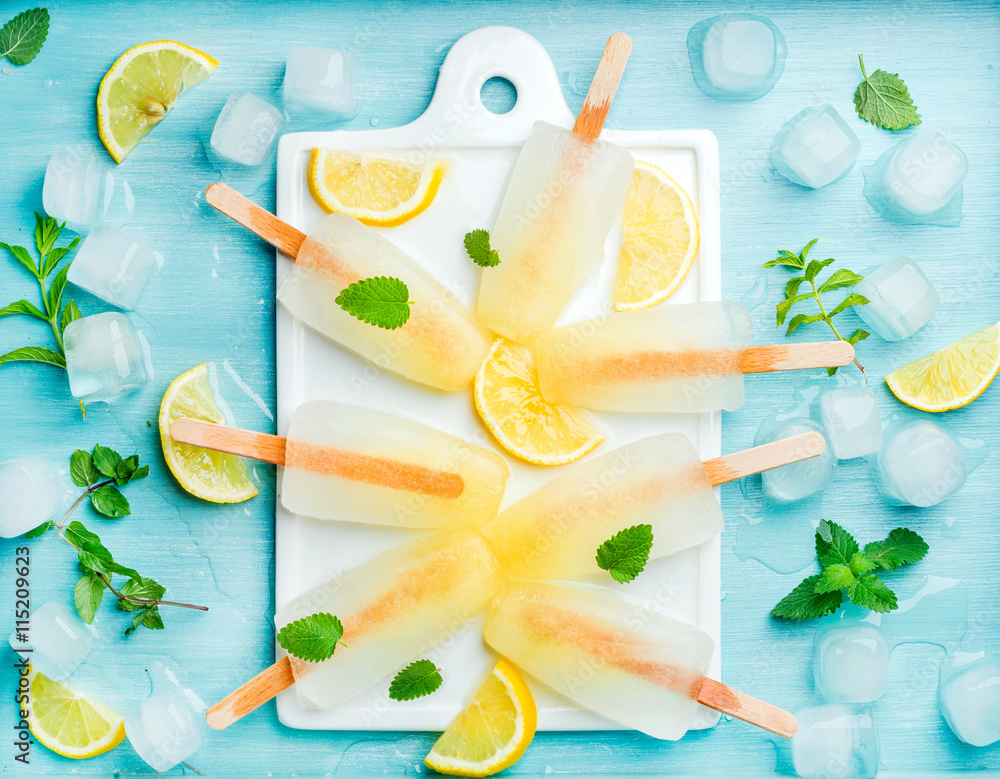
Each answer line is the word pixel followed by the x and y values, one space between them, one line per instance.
pixel 214 476
pixel 660 239
pixel 69 722
pixel 492 732
pixel 951 377
pixel 373 190
pixel 511 406
pixel 141 88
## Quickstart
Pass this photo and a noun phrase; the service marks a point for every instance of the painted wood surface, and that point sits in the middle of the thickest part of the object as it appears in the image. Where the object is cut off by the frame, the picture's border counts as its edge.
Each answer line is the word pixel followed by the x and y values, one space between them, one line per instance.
pixel 214 301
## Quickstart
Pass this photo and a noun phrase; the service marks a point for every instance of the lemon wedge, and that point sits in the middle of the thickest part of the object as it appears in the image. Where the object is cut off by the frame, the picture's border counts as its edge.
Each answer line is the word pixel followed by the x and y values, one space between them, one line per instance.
pixel 373 190
pixel 511 406
pixel 492 732
pixel 69 722
pixel 141 88
pixel 212 476
pixel 660 239
pixel 951 377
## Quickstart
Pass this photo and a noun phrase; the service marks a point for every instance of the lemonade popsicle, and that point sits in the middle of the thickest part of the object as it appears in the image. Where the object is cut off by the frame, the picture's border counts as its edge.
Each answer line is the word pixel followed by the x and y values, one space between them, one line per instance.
pixel 440 345
pixel 679 358
pixel 393 608
pixel 554 533
pixel 619 659
pixel 354 463
pixel 564 194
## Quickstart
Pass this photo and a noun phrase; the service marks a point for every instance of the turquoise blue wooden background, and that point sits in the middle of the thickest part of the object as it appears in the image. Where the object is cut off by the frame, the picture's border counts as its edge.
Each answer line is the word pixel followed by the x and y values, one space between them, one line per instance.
pixel 214 301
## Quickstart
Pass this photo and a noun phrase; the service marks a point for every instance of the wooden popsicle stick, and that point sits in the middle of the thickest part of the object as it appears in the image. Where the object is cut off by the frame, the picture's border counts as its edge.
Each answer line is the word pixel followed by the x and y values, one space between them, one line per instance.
pixel 280 235
pixel 744 707
pixel 590 120
pixel 251 695
pixel 793 357
pixel 735 466
pixel 208 435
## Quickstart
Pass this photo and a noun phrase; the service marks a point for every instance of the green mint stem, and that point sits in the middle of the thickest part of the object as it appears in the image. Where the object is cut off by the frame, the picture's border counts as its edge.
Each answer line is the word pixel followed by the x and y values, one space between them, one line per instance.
pixel 861 59
pixel 53 317
pixel 829 320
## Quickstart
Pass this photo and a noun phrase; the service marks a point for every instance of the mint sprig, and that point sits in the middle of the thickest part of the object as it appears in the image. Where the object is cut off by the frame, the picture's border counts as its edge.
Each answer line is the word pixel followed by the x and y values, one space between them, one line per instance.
pixel 477 246
pixel 847 570
pixel 382 301
pixel 23 36
pixel 626 553
pixel 839 279
pixel 883 100
pixel 313 638
pixel 419 678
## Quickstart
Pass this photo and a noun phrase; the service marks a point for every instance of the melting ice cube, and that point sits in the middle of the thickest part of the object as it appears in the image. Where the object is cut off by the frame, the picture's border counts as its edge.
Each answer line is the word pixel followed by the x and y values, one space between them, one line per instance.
pixel 851 418
pixel 320 81
pixel 901 299
pixel 851 663
pixel 969 696
pixel 55 642
pixel 798 480
pixel 164 729
pixel 921 464
pixel 815 147
pixel 113 265
pixel 835 741
pixel 29 494
pixel 103 357
pixel 246 129
pixel 736 56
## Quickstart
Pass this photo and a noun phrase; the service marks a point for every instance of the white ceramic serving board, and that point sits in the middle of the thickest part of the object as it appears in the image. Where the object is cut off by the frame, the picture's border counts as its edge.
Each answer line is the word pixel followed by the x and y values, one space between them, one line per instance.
pixel 480 148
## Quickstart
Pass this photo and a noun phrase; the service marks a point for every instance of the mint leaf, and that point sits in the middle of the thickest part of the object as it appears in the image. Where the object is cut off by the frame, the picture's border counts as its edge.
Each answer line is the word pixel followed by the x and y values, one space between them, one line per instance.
pixel 39 531
pixel 97 561
pixel 883 100
pixel 21 255
pixel 805 603
pixel 834 544
pixel 626 553
pixel 902 547
pixel 34 354
pixel 22 307
pixel 47 232
pixel 125 470
pixel 109 502
pixel 313 638
pixel 125 571
pixel 382 301
pixel 70 313
pixel 477 245
pixel 871 593
pixel 87 595
pixel 149 618
pixel 141 588
pixel 82 469
pixel 418 679
pixel 82 538
pixel 23 36
pixel 106 461
pixel 835 577
pixel 861 563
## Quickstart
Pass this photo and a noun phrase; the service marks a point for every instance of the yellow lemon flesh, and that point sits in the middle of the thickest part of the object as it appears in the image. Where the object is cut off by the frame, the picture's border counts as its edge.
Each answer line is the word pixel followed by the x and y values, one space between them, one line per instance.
pixel 69 722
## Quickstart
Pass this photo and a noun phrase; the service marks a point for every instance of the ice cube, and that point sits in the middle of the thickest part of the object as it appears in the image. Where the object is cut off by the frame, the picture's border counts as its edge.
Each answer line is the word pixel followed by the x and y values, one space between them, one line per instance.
pixel 736 56
pixel 30 490
pixel 55 642
pixel 924 173
pixel 246 129
pixel 815 147
pixel 851 663
pixel 901 299
pixel 835 741
pixel 921 464
pixel 969 696
pixel 103 357
pixel 851 418
pixel 320 81
pixel 798 480
pixel 82 191
pixel 113 265
pixel 164 729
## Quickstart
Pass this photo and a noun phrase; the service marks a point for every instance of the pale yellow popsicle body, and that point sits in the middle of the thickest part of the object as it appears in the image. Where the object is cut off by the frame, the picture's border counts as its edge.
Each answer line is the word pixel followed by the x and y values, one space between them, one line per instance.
pixel 564 194
pixel 681 358
pixel 358 464
pixel 393 608
pixel 609 655
pixel 554 533
pixel 441 344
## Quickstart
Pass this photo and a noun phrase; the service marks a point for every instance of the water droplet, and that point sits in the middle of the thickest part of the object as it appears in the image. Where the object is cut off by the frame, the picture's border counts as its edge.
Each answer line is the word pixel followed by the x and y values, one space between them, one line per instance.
pixel 373 121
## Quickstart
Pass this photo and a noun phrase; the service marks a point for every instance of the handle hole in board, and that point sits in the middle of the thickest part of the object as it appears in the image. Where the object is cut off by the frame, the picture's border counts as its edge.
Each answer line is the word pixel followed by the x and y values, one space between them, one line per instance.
pixel 499 95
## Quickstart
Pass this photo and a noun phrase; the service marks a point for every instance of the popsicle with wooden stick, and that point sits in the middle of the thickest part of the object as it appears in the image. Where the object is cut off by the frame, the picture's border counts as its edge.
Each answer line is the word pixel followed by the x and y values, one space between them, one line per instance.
pixel 554 532
pixel 363 465
pixel 441 344
pixel 669 358
pixel 566 190
pixel 618 658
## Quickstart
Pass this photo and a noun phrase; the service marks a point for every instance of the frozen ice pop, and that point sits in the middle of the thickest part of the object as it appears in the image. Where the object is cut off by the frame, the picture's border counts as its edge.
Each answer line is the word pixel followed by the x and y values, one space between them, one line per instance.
pixel 554 533
pixel 617 658
pixel 394 608
pixel 358 464
pixel 565 192
pixel 441 345
pixel 678 358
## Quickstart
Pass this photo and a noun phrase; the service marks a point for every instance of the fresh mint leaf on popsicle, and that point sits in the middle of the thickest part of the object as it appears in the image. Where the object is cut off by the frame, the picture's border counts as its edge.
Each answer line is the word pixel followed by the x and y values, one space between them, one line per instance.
pixel 382 301
pixel 419 678
pixel 626 553
pixel 477 245
pixel 22 37
pixel 883 100
pixel 313 638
